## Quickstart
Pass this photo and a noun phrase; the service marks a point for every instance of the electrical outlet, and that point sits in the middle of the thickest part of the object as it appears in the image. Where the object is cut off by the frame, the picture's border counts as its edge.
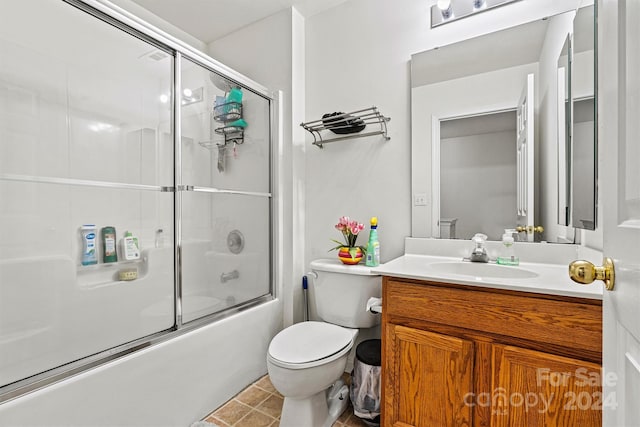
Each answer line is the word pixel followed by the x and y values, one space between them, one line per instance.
pixel 420 199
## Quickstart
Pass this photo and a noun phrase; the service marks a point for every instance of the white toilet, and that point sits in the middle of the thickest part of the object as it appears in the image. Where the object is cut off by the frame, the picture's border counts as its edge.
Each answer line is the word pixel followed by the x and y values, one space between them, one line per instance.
pixel 306 360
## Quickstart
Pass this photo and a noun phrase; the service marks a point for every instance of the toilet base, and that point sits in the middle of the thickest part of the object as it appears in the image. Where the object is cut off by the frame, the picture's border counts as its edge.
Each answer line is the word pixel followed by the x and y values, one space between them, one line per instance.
pixel 319 410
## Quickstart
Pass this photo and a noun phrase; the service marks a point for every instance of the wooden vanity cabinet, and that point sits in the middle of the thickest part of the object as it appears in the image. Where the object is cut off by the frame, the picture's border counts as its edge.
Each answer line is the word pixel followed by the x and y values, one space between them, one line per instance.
pixel 456 355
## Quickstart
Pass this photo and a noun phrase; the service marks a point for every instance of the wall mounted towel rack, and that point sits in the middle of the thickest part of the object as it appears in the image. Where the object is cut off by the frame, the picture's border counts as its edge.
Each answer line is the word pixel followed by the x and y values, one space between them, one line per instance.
pixel 346 121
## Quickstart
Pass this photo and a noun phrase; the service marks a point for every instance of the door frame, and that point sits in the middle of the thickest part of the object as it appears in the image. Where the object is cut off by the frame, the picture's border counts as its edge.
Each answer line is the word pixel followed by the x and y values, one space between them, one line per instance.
pixel 435 159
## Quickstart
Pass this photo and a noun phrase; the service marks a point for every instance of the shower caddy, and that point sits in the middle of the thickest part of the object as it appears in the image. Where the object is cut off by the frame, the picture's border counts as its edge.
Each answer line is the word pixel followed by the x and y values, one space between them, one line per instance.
pixel 225 113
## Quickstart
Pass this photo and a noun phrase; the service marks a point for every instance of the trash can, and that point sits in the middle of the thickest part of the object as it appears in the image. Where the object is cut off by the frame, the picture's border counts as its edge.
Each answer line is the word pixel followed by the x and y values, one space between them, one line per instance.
pixel 365 387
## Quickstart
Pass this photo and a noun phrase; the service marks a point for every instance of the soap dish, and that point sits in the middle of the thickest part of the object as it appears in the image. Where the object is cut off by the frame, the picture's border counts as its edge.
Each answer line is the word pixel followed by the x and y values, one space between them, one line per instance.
pixel 128 274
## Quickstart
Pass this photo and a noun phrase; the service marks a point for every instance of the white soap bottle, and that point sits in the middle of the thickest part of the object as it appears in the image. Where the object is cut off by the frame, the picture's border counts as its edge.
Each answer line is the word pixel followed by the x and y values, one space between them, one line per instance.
pixel 508 253
pixel 130 247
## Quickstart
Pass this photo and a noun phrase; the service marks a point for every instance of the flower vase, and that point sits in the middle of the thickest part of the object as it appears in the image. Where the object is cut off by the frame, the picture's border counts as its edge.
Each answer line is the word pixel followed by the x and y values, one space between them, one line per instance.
pixel 345 255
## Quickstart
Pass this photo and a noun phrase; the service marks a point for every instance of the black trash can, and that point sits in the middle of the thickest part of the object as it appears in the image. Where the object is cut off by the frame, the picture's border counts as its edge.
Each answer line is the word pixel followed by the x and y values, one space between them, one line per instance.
pixel 365 390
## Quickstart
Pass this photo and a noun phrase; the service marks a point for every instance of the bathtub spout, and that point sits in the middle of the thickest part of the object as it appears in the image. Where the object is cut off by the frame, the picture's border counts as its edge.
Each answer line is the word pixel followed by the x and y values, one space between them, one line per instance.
pixel 225 277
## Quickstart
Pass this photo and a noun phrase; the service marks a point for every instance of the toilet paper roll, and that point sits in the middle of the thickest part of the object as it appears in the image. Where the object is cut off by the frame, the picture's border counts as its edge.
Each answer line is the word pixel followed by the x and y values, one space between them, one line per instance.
pixel 374 305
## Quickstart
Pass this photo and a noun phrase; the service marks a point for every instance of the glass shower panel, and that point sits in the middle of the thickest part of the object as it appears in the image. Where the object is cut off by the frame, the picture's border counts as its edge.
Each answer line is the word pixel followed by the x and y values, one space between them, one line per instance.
pixel 226 212
pixel 85 138
pixel 225 251
pixel 226 142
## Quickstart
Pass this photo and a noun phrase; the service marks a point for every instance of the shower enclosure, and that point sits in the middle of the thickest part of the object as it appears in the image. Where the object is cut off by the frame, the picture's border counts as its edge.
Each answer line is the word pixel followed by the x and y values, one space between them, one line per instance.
pixel 112 124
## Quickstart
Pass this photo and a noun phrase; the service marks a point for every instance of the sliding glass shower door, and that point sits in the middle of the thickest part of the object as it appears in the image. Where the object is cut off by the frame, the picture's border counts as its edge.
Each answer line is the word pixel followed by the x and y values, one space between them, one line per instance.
pixel 135 190
pixel 224 204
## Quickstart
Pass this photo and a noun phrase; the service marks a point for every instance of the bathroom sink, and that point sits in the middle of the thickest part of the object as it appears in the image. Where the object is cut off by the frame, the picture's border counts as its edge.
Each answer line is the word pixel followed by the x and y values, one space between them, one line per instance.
pixel 481 270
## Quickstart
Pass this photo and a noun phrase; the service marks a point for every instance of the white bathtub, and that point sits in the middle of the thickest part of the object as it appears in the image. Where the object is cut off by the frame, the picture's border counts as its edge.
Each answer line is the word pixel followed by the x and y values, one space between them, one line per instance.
pixel 171 384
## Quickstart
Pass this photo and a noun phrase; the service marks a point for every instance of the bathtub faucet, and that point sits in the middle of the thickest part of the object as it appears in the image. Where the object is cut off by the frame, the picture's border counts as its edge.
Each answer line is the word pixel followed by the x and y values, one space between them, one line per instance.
pixel 225 277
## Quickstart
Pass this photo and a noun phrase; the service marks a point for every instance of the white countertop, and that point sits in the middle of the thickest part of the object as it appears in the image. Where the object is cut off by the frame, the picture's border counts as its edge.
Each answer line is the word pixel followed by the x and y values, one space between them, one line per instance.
pixel 552 279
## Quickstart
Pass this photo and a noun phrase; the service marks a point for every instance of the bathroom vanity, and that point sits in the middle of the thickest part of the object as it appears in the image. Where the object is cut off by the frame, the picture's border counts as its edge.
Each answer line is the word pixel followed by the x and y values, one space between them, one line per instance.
pixel 460 349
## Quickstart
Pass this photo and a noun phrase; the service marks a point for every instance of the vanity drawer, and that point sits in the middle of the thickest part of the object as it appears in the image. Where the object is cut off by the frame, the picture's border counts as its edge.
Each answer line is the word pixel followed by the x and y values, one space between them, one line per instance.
pixel 553 321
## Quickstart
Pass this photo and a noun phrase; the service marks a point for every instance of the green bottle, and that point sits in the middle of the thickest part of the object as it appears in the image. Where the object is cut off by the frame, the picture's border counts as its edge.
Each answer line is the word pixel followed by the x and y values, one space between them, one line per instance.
pixel 373 246
pixel 109 252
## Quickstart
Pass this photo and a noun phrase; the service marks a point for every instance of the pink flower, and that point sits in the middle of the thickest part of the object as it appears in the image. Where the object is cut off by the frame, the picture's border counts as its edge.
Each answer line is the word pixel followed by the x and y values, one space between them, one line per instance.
pixel 350 229
pixel 356 227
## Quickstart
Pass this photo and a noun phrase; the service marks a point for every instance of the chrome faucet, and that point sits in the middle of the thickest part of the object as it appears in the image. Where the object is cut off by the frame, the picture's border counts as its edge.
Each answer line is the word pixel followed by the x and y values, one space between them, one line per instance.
pixel 225 277
pixel 479 253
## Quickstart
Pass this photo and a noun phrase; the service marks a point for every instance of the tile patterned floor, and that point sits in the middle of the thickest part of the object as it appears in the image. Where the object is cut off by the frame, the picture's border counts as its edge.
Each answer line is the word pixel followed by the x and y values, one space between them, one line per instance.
pixel 260 405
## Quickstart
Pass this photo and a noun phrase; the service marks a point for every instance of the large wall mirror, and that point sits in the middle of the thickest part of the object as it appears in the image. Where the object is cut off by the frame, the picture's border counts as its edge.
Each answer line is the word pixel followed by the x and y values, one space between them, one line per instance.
pixel 503 132
pixel 583 150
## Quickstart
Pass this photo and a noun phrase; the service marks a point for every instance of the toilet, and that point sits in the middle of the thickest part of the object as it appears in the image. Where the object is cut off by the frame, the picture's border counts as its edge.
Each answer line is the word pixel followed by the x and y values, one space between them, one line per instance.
pixel 306 361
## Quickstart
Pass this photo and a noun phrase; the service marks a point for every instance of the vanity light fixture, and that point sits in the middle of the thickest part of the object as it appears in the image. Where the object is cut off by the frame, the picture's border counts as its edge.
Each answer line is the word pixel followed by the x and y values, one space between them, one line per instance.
pixel 445 11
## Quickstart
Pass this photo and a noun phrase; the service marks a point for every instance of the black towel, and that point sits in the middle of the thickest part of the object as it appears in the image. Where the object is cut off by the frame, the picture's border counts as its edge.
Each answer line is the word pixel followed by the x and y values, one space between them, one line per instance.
pixel 342 124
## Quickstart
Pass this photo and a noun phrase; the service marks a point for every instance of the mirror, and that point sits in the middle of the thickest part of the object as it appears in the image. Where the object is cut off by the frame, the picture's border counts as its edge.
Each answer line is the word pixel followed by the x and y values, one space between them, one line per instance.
pixel 583 164
pixel 470 171
pixel 564 132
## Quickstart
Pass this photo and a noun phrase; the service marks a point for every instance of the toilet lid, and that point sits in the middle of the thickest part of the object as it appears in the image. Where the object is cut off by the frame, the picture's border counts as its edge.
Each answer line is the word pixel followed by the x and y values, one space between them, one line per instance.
pixel 309 341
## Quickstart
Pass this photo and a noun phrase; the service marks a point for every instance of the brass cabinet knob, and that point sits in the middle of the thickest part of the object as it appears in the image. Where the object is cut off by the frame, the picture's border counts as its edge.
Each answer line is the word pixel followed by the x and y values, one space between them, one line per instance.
pixel 585 272
pixel 530 229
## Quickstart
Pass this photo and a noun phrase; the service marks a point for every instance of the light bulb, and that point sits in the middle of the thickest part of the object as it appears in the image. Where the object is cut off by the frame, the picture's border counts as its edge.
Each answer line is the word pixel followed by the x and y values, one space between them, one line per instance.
pixel 187 92
pixel 444 4
pixel 164 98
pixel 445 8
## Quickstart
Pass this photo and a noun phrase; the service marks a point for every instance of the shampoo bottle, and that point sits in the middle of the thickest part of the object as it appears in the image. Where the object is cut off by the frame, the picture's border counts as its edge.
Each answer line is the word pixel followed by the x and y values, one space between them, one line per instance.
pixel 89 252
pixel 373 246
pixel 130 247
pixel 109 252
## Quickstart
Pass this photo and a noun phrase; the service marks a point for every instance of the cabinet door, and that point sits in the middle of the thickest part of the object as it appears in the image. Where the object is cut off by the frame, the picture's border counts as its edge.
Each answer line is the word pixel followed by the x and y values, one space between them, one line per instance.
pixel 532 388
pixel 427 379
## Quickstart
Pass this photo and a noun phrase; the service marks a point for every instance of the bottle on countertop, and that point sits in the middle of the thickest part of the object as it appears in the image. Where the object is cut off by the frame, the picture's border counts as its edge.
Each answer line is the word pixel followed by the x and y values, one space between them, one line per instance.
pixel 373 246
pixel 508 253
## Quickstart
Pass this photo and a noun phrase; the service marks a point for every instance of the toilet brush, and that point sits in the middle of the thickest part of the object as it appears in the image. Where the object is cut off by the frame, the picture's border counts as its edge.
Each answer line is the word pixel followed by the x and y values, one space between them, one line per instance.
pixel 306 301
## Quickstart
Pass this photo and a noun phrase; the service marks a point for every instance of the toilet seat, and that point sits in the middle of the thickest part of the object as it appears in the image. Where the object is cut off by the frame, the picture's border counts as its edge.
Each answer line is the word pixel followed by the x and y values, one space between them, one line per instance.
pixel 309 344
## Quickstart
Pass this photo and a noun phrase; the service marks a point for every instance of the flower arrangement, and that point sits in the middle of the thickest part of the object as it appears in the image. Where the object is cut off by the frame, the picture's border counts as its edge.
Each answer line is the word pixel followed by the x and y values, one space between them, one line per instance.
pixel 350 230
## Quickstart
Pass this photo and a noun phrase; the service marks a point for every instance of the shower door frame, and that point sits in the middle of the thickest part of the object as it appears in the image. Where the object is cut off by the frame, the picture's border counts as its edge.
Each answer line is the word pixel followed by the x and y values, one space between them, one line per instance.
pixel 129 23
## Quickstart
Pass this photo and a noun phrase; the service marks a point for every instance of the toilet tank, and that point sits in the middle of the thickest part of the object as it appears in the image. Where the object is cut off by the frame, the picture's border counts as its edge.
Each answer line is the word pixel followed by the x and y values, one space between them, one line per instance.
pixel 342 291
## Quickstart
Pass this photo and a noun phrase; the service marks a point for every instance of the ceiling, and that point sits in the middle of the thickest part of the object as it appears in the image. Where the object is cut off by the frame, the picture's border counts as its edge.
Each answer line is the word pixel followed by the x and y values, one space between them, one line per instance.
pixel 208 20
